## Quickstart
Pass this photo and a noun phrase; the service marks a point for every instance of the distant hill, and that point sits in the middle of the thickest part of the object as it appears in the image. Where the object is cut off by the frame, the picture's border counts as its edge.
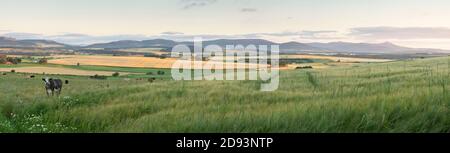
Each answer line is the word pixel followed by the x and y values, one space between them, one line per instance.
pixel 135 44
pixel 380 48
pixel 11 42
pixel 289 47
pixel 295 47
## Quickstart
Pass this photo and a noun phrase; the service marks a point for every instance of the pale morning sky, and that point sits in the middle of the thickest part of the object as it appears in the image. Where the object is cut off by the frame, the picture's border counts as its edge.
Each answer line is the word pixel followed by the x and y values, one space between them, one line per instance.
pixel 413 23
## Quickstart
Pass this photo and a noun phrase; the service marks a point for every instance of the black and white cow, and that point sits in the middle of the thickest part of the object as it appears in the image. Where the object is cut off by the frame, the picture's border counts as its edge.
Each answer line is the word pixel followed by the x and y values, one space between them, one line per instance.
pixel 52 86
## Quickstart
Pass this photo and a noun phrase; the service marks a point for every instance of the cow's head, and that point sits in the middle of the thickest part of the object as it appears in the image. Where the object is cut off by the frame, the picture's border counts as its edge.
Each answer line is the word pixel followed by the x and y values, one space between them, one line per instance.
pixel 47 82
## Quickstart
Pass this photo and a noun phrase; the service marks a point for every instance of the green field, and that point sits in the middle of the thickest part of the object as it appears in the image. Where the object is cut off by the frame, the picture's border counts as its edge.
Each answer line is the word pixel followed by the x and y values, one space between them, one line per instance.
pixel 402 96
pixel 140 72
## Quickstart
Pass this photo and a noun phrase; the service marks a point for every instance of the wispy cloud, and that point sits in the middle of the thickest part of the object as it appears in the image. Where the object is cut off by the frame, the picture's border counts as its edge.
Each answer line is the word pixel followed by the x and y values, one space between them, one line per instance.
pixel 401 32
pixel 322 34
pixel 172 33
pixel 248 10
pixel 189 4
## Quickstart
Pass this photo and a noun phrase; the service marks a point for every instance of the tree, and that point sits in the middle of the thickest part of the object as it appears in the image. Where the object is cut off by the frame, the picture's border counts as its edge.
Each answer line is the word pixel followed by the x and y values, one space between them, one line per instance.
pixel 161 72
pixel 14 60
pixel 3 60
pixel 43 61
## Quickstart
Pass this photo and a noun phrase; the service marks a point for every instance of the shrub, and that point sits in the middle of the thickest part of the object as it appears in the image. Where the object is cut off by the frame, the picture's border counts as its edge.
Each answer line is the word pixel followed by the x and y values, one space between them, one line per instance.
pixel 43 61
pixel 13 71
pixel 304 67
pixel 99 77
pixel 14 60
pixel 150 55
pixel 116 74
pixel 161 72
pixel 3 60
pixel 151 79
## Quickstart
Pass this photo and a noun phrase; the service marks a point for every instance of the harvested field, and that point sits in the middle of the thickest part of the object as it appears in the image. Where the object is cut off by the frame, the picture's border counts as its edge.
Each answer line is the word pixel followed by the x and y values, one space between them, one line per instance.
pixel 122 61
pixel 129 61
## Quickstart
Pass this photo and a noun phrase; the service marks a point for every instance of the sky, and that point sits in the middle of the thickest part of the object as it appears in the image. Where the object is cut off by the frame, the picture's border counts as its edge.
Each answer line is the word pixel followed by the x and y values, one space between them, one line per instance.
pixel 412 23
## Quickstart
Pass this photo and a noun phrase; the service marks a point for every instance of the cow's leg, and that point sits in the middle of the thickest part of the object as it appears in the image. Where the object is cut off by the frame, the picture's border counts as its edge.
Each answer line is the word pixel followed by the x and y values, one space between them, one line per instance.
pixel 58 92
pixel 48 91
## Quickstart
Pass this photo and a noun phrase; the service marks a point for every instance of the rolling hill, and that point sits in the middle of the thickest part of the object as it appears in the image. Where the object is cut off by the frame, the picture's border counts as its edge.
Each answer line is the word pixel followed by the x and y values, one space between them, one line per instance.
pixel 289 47
pixel 31 43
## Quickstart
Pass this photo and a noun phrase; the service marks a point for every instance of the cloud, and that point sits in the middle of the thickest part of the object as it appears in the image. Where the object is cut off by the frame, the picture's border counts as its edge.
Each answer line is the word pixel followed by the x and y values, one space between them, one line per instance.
pixel 324 34
pixel 321 34
pixel 189 4
pixel 400 33
pixel 248 10
pixel 2 31
pixel 172 33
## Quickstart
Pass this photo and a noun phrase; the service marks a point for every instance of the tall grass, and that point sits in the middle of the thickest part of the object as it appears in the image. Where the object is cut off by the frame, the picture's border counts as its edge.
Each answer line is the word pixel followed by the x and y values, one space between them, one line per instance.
pixel 405 96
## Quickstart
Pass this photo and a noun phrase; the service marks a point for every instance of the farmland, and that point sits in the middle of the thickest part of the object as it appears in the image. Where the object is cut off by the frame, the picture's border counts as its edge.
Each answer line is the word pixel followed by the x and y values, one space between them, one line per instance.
pixel 398 96
pixel 56 70
pixel 122 61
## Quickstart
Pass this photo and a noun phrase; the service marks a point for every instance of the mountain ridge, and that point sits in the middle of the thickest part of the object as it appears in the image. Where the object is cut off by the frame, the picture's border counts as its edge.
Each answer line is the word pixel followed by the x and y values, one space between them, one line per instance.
pixel 287 47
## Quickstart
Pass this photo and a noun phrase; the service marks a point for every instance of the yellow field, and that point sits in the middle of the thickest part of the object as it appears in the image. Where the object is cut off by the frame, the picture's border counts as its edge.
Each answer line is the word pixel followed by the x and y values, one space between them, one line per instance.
pixel 129 61
pixel 57 70
pixel 118 61
pixel 152 62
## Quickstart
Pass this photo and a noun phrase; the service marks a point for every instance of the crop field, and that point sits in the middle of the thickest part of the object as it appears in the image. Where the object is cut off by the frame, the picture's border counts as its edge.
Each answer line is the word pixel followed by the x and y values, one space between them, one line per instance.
pixel 400 96
pixel 133 62
pixel 122 61
pixel 156 51
pixel 340 59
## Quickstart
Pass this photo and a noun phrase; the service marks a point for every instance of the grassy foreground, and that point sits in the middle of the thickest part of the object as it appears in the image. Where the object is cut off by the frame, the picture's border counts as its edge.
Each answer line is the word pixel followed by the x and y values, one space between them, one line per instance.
pixel 404 96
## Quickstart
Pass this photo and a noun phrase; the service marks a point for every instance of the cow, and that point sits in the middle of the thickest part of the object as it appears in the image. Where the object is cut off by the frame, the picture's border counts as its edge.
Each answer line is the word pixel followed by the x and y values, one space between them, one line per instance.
pixel 52 86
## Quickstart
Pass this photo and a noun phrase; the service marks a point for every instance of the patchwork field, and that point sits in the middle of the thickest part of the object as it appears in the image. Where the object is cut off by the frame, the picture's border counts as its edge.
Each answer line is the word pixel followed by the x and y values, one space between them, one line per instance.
pixel 401 96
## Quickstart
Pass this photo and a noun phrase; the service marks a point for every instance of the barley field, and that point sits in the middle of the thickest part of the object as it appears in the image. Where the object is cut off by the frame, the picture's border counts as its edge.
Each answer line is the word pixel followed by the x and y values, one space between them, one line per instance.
pixel 122 61
pixel 400 96
pixel 137 62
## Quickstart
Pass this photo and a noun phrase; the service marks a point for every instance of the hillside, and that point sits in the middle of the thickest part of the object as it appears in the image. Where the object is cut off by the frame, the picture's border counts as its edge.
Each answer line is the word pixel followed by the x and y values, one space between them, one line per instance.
pixel 289 47
pixel 12 43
